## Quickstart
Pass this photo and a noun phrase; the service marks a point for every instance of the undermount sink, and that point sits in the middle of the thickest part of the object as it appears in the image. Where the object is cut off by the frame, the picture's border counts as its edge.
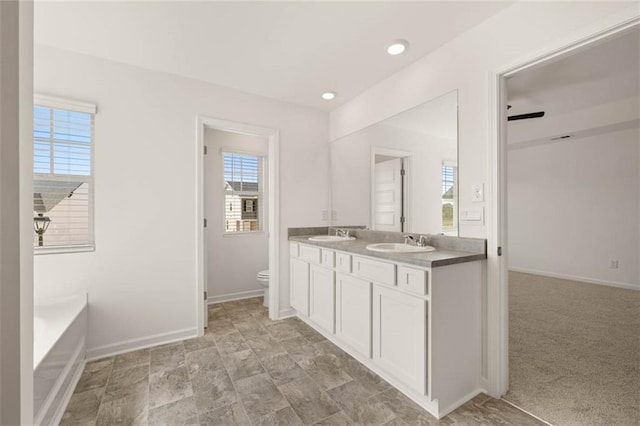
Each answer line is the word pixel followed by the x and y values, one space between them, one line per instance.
pixel 398 248
pixel 330 238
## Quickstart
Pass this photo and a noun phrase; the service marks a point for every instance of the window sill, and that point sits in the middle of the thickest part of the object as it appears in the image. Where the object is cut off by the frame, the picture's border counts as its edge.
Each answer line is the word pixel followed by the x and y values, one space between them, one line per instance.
pixel 62 250
pixel 244 234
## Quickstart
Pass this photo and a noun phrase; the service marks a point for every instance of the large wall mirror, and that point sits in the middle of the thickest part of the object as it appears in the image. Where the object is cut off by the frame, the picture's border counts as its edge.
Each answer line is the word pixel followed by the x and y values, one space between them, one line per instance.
pixel 400 174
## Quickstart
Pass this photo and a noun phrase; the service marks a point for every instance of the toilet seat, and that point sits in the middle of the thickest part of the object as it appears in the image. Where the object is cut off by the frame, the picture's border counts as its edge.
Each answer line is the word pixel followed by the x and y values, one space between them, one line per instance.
pixel 263 274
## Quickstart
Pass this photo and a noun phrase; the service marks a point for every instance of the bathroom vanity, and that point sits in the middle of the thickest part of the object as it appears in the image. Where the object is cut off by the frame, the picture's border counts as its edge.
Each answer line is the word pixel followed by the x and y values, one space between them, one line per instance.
pixel 413 318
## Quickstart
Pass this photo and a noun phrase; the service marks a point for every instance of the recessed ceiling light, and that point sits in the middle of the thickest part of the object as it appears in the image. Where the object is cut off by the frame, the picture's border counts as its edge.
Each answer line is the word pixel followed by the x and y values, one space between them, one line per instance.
pixel 397 47
pixel 327 96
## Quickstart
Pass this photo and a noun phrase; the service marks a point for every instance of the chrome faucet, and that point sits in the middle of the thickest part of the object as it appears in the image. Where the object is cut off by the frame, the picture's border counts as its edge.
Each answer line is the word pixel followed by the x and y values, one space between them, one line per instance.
pixel 343 233
pixel 420 240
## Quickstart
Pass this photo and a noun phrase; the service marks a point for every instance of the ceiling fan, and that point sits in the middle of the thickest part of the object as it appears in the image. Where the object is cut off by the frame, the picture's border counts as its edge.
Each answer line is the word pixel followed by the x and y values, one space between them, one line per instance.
pixel 526 116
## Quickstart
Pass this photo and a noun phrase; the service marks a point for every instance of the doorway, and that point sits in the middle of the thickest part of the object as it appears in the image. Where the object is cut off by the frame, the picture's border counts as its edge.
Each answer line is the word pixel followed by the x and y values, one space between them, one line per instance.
pixel 500 322
pixel 256 215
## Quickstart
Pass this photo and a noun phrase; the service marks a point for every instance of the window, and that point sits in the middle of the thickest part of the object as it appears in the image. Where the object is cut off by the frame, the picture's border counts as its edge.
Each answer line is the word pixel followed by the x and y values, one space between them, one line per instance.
pixel 62 175
pixel 243 192
pixel 449 196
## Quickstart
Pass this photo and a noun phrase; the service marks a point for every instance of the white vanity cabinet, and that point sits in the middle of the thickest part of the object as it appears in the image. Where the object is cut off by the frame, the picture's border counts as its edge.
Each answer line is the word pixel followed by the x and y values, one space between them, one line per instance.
pixel 417 327
pixel 400 336
pixel 299 291
pixel 353 312
pixel 322 297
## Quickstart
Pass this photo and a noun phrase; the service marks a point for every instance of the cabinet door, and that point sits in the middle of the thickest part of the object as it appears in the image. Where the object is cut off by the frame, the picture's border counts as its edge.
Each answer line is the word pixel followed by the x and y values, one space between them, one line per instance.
pixel 299 278
pixel 353 312
pixel 322 297
pixel 400 336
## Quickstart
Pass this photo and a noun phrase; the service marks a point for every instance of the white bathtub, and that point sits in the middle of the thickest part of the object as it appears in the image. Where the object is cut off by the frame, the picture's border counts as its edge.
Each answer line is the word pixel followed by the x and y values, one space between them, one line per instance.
pixel 59 345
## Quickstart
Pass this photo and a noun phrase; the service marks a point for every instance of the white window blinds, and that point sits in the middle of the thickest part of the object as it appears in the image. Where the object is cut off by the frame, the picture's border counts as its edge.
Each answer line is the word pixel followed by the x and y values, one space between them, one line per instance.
pixel 243 196
pixel 449 196
pixel 63 176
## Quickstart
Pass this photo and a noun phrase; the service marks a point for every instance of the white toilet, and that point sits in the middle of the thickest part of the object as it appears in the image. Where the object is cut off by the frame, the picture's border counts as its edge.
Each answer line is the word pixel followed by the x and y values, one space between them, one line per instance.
pixel 263 279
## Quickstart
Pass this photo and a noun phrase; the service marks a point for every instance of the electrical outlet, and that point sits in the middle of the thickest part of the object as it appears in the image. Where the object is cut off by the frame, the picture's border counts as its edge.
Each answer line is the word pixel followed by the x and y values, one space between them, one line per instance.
pixel 334 215
pixel 477 192
pixel 325 215
pixel 613 263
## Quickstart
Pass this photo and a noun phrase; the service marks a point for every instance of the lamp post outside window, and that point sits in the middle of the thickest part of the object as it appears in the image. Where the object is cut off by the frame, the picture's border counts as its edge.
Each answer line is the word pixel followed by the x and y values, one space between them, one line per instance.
pixel 40 226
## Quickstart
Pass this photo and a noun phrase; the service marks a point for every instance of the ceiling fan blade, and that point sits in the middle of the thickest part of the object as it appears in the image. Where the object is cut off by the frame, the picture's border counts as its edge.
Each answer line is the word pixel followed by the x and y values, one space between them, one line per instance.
pixel 526 116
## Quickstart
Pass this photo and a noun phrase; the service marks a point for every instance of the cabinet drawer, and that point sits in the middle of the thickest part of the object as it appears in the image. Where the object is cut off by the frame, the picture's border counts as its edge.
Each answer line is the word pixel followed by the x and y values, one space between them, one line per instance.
pixel 343 262
pixel 413 280
pixel 381 272
pixel 310 254
pixel 294 249
pixel 328 258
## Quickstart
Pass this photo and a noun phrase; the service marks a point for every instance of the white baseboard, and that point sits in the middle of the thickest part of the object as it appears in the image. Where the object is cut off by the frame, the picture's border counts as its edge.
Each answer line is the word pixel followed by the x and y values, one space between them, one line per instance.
pixel 628 286
pixel 234 296
pixel 140 343
pixel 483 384
pixel 287 313
pixel 443 411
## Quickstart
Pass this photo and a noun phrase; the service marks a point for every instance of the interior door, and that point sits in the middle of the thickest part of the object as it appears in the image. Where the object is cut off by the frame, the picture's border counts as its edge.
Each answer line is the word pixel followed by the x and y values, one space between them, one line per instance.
pixel 388 193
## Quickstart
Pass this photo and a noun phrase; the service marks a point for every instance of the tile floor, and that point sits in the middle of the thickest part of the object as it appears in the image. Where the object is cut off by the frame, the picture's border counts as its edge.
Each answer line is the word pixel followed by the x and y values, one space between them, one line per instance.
pixel 249 370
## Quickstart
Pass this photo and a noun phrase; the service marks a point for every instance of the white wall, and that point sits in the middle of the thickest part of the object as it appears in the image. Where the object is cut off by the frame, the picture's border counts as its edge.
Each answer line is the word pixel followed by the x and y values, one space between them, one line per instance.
pixel 465 63
pixel 573 207
pixel 16 198
pixel 26 211
pixel 141 278
pixel 351 175
pixel 233 260
pixel 9 216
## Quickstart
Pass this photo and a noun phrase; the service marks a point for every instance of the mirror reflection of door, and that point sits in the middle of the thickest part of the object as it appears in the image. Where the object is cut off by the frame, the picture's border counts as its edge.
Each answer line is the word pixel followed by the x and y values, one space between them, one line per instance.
pixel 389 194
pixel 363 191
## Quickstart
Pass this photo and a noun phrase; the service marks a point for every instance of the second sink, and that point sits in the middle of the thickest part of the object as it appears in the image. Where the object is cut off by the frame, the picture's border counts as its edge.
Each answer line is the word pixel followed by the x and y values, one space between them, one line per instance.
pixel 398 248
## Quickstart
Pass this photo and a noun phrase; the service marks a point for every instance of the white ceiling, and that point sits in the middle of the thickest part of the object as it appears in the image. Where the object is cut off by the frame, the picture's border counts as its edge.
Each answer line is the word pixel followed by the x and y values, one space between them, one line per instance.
pixel 291 51
pixel 606 72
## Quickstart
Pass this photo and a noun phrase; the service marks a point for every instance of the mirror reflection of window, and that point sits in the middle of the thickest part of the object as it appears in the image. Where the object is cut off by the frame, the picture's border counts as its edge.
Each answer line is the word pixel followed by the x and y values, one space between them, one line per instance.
pixel 449 189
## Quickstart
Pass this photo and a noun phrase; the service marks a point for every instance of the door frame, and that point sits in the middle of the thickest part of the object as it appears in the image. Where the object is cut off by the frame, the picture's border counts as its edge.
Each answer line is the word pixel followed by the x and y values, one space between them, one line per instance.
pixel 407 202
pixel 497 331
pixel 273 215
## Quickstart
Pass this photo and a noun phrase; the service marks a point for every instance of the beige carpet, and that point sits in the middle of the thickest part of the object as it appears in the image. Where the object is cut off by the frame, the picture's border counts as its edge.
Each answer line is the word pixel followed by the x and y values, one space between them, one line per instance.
pixel 574 351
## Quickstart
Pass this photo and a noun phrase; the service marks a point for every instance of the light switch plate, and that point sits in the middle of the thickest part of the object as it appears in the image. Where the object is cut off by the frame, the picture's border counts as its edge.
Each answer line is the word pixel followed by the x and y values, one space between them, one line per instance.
pixel 334 215
pixel 472 216
pixel 325 215
pixel 477 192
